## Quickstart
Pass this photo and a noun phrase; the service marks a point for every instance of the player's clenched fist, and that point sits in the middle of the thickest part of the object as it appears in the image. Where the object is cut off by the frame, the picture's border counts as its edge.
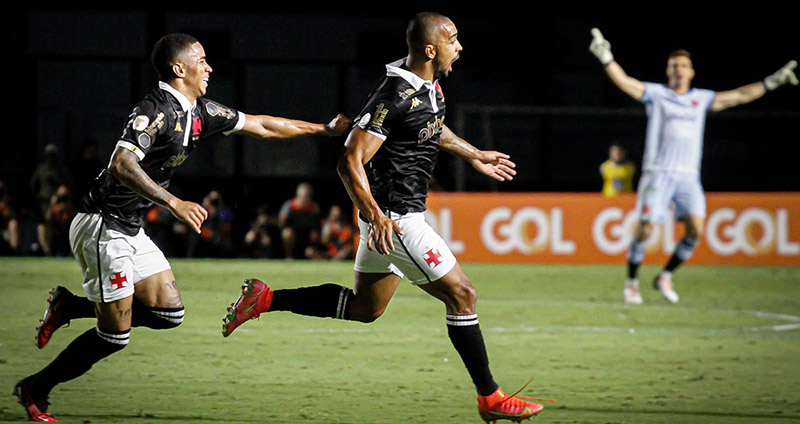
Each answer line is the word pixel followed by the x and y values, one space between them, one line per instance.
pixel 601 48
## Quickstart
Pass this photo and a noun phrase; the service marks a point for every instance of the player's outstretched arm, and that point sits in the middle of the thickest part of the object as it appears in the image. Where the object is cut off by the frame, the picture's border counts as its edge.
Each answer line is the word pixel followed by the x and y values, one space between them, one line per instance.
pixel 490 163
pixel 751 92
pixel 274 128
pixel 601 49
pixel 358 150
pixel 125 166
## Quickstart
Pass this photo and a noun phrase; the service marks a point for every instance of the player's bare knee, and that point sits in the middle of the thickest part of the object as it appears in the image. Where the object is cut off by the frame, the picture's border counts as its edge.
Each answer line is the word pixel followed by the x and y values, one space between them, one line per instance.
pixel 465 297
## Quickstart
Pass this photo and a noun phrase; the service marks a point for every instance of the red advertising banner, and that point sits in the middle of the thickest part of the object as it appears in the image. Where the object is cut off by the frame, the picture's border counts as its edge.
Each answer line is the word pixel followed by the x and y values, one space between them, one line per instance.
pixel 741 228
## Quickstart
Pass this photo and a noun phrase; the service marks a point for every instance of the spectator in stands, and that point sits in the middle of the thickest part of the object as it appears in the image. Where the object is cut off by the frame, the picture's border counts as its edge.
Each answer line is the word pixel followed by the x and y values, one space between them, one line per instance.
pixel 9 223
pixel 57 218
pixel 337 235
pixel 214 239
pixel 617 172
pixel 48 176
pixel 299 221
pixel 85 168
pixel 258 240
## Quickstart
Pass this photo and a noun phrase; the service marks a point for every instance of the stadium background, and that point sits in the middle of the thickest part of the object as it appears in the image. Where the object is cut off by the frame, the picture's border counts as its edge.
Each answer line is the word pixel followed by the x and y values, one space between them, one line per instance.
pixel 525 84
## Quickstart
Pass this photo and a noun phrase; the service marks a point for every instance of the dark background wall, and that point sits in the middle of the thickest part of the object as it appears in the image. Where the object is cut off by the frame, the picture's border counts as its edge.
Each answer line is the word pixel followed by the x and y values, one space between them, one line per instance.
pixel 77 72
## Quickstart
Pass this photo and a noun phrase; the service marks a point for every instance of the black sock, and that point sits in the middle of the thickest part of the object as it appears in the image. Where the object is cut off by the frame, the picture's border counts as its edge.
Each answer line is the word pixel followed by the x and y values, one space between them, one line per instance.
pixel 633 269
pixel 77 307
pixel 325 301
pixel 74 361
pixel 155 318
pixel 673 263
pixel 466 336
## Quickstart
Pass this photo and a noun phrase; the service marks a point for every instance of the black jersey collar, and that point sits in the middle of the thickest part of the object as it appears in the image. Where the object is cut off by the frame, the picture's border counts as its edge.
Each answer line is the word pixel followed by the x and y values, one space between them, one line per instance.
pixel 185 104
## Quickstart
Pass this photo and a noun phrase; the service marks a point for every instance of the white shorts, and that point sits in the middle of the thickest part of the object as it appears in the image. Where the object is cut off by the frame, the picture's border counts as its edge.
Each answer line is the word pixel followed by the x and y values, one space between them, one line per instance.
pixel 657 190
pixel 419 254
pixel 112 262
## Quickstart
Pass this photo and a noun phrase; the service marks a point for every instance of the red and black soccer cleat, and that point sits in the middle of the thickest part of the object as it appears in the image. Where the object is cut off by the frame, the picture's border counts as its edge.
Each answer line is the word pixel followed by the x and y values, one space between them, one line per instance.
pixel 255 299
pixel 36 410
pixel 53 317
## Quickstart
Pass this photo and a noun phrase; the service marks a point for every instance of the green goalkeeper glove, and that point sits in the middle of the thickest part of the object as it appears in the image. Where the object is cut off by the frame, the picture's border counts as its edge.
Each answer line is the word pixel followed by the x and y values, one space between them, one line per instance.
pixel 601 48
pixel 784 75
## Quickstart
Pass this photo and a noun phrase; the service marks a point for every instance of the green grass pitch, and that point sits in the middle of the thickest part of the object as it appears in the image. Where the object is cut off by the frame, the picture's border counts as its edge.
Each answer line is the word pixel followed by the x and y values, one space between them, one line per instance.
pixel 729 352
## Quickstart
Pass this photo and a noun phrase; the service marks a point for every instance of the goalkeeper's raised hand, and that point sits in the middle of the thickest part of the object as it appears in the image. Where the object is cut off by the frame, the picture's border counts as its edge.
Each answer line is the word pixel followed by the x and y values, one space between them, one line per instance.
pixel 600 47
pixel 784 75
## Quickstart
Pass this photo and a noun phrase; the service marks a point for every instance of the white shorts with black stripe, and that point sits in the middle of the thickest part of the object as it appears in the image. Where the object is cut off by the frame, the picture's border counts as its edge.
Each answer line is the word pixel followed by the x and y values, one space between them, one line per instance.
pixel 112 262
pixel 419 254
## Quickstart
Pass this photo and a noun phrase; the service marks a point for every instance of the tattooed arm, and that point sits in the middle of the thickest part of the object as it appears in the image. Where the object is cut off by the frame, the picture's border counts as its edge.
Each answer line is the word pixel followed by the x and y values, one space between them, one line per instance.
pixel 125 166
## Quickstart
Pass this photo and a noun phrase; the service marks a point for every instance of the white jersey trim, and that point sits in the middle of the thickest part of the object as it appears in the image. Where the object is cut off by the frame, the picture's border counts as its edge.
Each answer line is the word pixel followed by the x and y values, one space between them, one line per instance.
pixel 239 124
pixel 132 147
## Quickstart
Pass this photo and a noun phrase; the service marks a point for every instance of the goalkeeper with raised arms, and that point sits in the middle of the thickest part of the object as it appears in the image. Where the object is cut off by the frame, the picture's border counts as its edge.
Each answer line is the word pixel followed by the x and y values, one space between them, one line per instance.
pixel 676 115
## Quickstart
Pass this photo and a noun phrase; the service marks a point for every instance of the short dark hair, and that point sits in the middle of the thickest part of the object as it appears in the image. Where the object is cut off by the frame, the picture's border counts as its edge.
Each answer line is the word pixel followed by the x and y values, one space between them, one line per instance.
pixel 166 52
pixel 421 29
pixel 679 52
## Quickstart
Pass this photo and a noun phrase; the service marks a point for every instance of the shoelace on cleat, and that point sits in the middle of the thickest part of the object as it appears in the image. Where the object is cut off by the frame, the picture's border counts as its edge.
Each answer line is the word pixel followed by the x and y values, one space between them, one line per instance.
pixel 517 395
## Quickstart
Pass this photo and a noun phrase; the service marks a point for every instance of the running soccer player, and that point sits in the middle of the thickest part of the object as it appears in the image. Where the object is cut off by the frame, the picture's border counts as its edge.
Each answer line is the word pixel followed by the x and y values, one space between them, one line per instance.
pixel 127 280
pixel 386 166
pixel 676 116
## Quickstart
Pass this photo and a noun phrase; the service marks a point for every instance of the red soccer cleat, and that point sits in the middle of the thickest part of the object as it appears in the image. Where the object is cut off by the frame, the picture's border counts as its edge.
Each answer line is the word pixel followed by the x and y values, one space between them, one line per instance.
pixel 53 317
pixel 256 299
pixel 37 411
pixel 500 406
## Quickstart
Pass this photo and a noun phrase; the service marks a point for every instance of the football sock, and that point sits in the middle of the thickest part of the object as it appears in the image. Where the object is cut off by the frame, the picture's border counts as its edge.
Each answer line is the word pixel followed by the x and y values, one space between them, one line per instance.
pixel 683 251
pixel 155 318
pixel 325 301
pixel 78 357
pixel 78 307
pixel 635 256
pixel 465 334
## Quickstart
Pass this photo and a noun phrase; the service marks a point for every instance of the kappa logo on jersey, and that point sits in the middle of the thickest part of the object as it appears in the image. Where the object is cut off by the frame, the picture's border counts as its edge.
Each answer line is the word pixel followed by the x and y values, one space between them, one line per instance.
pixel 414 103
pixel 433 258
pixel 118 280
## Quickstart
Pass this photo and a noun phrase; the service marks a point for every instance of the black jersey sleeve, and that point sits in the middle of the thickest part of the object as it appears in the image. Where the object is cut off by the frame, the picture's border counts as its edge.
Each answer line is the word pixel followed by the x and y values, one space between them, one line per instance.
pixel 218 118
pixel 379 114
pixel 142 128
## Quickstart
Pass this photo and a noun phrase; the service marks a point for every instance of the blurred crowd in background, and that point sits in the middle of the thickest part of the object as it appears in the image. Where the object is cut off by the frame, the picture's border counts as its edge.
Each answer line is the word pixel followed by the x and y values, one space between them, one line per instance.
pixel 38 224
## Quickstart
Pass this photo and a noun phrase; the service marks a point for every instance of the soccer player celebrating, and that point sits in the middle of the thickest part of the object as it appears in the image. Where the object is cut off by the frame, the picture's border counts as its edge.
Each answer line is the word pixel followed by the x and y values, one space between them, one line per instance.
pixel 386 166
pixel 127 280
pixel 676 115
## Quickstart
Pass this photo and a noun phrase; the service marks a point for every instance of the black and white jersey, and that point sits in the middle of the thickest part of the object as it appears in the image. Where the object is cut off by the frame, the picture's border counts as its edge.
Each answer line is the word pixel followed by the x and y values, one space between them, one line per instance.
pixel 162 130
pixel 407 112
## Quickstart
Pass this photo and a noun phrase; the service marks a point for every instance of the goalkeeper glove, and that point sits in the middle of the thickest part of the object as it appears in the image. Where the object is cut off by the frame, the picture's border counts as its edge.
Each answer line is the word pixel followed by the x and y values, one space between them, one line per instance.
pixel 784 75
pixel 601 48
